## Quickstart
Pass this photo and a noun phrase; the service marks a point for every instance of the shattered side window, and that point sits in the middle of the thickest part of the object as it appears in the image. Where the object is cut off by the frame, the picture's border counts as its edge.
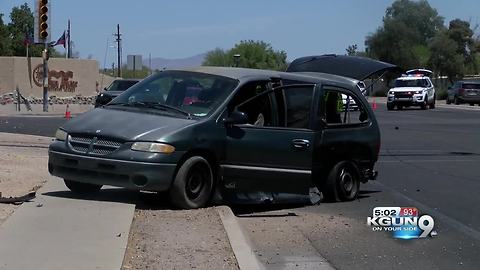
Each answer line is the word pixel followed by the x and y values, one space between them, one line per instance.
pixel 338 107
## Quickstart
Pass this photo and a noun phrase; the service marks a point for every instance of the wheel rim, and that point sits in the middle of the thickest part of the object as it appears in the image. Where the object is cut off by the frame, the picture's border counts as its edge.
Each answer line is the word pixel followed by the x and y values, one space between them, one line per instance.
pixel 347 181
pixel 197 180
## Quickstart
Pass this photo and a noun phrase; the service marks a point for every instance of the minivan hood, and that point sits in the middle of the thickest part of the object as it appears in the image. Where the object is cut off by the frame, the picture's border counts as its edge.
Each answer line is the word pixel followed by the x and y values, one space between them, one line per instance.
pixel 126 125
pixel 355 67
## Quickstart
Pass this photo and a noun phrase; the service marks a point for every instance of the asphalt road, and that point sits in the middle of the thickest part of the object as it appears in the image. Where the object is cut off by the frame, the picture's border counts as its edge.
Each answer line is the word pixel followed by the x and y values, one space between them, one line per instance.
pixel 429 160
pixel 31 125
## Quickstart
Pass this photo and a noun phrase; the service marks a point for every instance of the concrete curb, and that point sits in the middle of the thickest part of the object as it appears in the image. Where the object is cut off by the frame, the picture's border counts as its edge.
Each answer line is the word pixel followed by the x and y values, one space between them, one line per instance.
pixel 52 115
pixel 241 245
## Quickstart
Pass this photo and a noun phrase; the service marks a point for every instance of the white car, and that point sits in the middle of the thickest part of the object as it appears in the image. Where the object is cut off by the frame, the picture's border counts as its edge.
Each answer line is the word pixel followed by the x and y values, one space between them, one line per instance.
pixel 351 102
pixel 413 89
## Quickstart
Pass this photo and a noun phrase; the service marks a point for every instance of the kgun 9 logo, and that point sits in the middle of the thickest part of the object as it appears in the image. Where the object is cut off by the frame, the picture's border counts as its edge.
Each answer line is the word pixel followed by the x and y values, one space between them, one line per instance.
pixel 404 222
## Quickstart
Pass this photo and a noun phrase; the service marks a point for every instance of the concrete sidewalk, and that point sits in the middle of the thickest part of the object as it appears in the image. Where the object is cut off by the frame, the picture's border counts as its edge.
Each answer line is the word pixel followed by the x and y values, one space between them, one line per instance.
pixel 57 231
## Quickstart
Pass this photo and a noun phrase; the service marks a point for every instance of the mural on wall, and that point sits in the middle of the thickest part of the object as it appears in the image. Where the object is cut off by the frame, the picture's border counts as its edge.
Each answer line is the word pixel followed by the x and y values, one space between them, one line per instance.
pixel 59 81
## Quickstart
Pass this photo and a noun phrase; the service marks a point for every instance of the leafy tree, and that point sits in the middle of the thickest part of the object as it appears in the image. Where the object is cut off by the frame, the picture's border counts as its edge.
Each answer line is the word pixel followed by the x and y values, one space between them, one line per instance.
pixel 460 32
pixel 421 19
pixel 352 49
pixel 454 51
pixel 403 39
pixel 445 59
pixel 21 25
pixel 253 54
pixel 4 38
pixel 217 57
pixel 12 36
pixel 138 74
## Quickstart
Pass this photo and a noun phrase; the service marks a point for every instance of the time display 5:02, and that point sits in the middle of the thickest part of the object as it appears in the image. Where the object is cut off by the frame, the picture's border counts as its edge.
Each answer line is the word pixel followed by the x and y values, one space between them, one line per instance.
pixel 386 211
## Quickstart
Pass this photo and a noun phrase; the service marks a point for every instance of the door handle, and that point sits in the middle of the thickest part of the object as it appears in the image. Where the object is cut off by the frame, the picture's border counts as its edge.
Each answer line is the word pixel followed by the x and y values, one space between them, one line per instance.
pixel 301 143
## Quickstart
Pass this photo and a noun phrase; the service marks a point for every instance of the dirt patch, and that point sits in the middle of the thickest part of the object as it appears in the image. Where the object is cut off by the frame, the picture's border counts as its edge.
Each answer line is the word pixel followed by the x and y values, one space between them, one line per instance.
pixel 22 169
pixel 166 239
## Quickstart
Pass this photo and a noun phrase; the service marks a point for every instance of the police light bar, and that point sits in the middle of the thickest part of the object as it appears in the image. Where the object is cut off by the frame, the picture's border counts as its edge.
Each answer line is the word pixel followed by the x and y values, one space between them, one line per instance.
pixel 419 72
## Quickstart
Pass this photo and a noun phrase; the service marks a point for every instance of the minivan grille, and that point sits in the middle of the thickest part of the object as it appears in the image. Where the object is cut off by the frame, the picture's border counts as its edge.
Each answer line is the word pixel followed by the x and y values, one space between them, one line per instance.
pixel 93 144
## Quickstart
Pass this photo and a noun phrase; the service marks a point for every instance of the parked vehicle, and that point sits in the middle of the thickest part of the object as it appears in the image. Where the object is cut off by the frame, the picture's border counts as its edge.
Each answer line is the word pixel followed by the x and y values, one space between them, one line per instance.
pixel 412 89
pixel 117 87
pixel 193 132
pixel 464 91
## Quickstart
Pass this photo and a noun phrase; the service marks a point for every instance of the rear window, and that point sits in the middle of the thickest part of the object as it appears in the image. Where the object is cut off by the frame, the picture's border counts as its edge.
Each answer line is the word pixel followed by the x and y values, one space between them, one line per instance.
pixel 412 83
pixel 471 86
pixel 121 85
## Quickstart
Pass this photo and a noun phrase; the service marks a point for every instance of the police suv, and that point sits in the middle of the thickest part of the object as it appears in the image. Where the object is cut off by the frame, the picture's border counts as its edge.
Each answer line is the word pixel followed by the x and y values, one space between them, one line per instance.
pixel 412 89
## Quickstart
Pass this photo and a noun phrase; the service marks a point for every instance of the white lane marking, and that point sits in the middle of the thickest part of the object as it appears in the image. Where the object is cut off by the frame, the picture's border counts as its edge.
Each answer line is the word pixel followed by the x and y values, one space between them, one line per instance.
pixel 437 215
pixel 459 107
pixel 429 160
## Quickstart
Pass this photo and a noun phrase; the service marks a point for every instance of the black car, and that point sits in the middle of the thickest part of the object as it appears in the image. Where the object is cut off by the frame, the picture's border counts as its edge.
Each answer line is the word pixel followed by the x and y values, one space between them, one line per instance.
pixel 196 132
pixel 465 91
pixel 117 87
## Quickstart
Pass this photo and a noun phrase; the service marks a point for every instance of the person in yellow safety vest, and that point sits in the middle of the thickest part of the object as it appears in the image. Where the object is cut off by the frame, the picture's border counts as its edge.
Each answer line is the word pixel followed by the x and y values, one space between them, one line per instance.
pixel 333 107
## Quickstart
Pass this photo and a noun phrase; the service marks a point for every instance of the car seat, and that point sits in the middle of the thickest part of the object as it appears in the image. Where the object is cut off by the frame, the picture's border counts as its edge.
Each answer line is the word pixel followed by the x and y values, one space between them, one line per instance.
pixel 177 94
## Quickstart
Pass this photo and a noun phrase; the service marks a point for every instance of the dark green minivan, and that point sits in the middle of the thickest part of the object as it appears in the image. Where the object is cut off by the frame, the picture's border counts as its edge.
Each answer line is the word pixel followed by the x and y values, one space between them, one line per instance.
pixel 206 130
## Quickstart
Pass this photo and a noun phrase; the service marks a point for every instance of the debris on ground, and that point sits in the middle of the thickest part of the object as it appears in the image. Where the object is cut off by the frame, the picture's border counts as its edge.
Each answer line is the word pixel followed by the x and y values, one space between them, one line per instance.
pixel 18 200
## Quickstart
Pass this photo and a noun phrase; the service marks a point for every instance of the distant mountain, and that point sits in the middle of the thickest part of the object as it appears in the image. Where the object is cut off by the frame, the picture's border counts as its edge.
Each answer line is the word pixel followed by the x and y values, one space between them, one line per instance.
pixel 161 63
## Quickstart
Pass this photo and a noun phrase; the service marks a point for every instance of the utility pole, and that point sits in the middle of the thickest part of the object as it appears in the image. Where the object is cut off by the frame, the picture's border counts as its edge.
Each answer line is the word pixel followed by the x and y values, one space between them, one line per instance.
pixel 69 47
pixel 45 57
pixel 119 51
pixel 150 63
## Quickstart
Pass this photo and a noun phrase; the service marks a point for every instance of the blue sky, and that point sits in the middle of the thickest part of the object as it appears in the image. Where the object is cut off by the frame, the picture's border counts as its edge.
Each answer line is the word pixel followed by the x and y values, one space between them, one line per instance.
pixel 182 28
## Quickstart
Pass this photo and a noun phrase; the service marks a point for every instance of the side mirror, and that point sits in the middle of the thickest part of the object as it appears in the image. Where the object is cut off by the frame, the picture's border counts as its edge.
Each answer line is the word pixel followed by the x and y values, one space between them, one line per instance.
pixel 363 116
pixel 236 118
pixel 105 88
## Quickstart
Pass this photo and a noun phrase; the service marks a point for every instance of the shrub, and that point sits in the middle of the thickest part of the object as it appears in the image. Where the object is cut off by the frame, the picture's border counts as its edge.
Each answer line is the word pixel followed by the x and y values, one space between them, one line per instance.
pixel 441 94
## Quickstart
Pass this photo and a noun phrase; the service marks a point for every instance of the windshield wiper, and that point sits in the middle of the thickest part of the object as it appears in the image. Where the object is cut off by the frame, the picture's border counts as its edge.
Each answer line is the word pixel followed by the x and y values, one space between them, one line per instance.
pixel 153 105
pixel 168 107
pixel 117 103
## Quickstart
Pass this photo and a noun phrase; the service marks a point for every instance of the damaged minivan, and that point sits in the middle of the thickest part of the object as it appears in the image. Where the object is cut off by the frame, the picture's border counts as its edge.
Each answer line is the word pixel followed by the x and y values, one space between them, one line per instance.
pixel 219 130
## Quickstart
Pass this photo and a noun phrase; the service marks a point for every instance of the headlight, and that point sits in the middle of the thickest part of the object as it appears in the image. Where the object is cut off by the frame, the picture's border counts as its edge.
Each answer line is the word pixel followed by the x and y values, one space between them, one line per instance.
pixel 61 135
pixel 390 93
pixel 419 92
pixel 153 147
